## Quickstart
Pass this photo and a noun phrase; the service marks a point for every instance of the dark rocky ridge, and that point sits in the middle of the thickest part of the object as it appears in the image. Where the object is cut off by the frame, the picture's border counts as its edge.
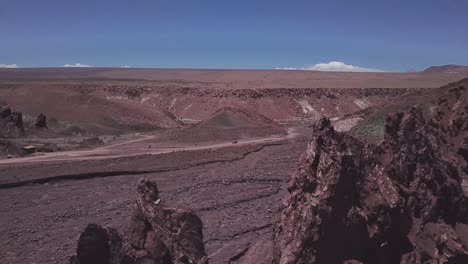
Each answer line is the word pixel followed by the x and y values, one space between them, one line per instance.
pixel 404 201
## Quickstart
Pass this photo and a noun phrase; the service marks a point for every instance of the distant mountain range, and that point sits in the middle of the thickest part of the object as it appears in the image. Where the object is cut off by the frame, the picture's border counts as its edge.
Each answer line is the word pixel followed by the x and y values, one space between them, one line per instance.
pixel 449 68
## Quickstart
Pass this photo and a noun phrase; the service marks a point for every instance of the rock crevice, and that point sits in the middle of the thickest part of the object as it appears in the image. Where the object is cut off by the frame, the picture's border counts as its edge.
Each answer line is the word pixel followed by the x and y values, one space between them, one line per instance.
pixel 399 202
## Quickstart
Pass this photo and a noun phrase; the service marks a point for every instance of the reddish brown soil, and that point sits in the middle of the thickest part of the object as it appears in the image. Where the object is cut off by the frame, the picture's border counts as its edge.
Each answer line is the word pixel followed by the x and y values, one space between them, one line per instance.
pixel 126 103
pixel 106 97
pixel 61 103
pixel 243 79
pixel 235 190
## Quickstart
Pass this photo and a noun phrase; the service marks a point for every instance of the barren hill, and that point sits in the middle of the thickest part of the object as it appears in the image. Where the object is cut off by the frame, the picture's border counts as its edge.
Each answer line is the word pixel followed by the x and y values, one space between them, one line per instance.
pixel 160 97
pixel 228 117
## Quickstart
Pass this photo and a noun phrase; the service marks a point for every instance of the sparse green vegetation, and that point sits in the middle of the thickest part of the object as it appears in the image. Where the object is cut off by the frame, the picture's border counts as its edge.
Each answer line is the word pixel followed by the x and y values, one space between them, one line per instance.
pixel 373 126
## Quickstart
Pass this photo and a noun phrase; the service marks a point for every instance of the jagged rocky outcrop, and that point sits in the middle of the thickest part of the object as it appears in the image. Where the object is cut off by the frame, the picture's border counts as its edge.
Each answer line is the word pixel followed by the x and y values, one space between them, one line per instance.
pixel 452 115
pixel 158 235
pixel 11 123
pixel 404 201
pixel 5 111
pixel 41 121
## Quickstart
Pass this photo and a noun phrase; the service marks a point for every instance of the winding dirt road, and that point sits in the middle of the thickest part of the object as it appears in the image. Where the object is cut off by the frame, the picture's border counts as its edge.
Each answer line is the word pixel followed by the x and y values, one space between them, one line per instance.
pixel 137 147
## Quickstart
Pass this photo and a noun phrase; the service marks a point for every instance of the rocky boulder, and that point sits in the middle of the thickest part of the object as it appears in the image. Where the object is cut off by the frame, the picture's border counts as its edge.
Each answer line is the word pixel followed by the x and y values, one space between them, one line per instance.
pixel 166 234
pixel 5 111
pixel 16 120
pixel 158 235
pixel 41 121
pixel 98 245
pixel 11 123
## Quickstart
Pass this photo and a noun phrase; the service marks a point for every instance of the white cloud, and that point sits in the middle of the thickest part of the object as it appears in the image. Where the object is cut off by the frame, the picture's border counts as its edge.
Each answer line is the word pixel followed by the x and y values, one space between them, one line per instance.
pixel 78 65
pixel 8 66
pixel 334 66
pixel 125 66
pixel 339 66
pixel 286 68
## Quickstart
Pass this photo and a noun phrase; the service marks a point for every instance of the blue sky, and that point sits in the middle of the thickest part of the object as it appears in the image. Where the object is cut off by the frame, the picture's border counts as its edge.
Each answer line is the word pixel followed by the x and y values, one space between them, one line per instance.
pixel 387 35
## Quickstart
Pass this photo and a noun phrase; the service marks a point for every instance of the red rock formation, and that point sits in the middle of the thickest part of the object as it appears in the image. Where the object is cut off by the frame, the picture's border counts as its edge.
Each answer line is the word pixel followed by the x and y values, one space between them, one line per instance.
pixel 452 115
pixel 404 201
pixel 158 235
pixel 11 123
pixel 165 234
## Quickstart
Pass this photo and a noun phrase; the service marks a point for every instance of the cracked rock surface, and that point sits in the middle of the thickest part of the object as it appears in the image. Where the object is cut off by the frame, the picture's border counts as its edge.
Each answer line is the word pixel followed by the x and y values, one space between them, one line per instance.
pixel 404 201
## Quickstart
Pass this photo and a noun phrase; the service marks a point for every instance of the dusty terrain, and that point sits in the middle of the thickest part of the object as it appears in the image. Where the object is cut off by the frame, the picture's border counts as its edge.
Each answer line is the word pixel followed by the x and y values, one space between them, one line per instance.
pixel 236 190
pixel 432 77
pixel 221 143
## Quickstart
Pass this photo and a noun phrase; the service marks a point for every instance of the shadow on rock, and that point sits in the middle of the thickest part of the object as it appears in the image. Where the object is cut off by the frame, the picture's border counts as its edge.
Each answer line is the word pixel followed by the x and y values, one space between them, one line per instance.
pixel 400 202
pixel 158 235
